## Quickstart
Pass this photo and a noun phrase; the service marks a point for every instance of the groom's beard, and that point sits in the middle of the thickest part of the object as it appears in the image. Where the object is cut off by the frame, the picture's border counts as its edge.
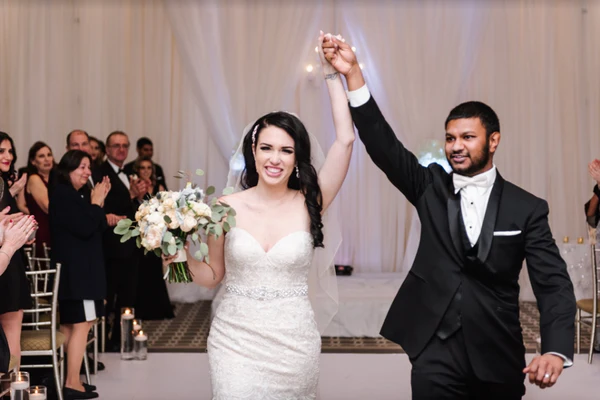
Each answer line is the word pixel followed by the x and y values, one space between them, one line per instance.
pixel 478 162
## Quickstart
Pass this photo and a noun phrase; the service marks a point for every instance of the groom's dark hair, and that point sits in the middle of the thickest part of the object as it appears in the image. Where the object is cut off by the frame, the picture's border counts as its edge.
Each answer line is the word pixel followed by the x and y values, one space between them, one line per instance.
pixel 476 109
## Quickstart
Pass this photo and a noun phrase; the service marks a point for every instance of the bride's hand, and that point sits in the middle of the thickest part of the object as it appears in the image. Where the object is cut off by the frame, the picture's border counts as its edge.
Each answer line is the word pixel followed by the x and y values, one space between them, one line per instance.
pixel 167 260
pixel 328 69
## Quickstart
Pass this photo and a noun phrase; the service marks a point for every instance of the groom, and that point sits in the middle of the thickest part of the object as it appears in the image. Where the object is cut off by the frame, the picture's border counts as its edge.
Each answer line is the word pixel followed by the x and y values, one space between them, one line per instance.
pixel 457 313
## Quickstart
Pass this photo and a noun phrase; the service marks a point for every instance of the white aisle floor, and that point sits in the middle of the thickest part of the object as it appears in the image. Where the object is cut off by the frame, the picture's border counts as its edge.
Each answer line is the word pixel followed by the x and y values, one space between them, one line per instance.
pixel 184 376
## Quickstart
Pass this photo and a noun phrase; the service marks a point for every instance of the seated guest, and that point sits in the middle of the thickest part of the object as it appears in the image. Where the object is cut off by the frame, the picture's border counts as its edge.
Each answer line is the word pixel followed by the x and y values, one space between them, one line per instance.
pixel 145 149
pixel 152 300
pixel 13 235
pixel 77 225
pixel 97 151
pixel 39 165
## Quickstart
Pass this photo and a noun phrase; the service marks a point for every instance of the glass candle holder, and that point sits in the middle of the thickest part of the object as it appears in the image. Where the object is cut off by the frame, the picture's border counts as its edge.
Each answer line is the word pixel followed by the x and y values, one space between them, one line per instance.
pixel 19 383
pixel 127 316
pixel 137 326
pixel 141 345
pixel 37 393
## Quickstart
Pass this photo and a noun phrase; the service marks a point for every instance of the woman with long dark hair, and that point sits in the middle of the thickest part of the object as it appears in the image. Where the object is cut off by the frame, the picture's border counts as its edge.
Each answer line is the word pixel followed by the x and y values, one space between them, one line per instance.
pixel 15 291
pixel 264 339
pixel 39 165
pixel 76 224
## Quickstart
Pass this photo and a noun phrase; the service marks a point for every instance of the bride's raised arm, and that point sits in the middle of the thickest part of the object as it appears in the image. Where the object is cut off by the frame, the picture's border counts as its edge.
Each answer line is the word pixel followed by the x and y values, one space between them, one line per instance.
pixel 335 168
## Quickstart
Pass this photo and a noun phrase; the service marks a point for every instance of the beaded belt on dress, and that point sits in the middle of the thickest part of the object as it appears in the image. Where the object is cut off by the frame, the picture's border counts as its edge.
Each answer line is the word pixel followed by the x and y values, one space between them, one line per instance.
pixel 264 293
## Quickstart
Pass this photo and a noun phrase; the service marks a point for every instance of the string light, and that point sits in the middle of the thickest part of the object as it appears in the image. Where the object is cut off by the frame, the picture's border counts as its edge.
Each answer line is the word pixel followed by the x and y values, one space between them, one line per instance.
pixel 309 68
pixel 354 49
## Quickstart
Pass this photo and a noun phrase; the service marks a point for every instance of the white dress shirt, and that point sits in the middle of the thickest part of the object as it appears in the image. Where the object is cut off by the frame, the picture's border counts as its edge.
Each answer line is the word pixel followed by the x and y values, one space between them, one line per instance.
pixel 122 176
pixel 473 198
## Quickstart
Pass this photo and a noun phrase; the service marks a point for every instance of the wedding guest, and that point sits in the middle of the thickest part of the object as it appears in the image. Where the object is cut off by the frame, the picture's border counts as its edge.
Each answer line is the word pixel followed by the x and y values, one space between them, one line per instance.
pixel 97 151
pixel 15 292
pixel 145 149
pixel 152 301
pixel 13 235
pixel 77 225
pixel 39 165
pixel 122 259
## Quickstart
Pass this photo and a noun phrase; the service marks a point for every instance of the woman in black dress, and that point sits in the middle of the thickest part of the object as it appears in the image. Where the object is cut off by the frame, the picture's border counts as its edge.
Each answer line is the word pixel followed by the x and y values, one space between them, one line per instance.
pixel 15 291
pixel 76 226
pixel 152 301
pixel 13 235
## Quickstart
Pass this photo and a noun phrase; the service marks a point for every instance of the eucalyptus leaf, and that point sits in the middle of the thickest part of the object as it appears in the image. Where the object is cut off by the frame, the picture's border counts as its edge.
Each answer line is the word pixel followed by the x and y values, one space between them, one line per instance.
pixel 126 237
pixel 207 259
pixel 198 255
pixel 231 220
pixel 210 190
pixel 195 237
pixel 135 232
pixel 167 236
pixel 125 223
pixel 213 201
pixel 199 172
pixel 217 208
pixel 224 204
pixel 172 249
pixel 120 230
pixel 204 249
pixel 167 219
pixel 226 226
pixel 218 230
pixel 231 211
pixel 227 191
pixel 157 253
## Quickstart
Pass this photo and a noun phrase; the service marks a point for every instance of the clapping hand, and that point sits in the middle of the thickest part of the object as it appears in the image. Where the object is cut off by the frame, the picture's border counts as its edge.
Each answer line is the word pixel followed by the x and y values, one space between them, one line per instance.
pixel 594 169
pixel 100 191
pixel 544 370
pixel 138 188
pixel 15 233
pixel 18 185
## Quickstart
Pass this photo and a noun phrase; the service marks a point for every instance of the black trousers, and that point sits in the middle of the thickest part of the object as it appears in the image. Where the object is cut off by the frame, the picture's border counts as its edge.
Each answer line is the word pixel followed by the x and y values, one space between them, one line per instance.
pixel 443 371
pixel 122 282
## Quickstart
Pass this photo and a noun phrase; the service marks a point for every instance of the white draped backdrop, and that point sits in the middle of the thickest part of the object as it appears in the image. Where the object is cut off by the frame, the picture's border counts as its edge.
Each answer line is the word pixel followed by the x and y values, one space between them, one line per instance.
pixel 191 74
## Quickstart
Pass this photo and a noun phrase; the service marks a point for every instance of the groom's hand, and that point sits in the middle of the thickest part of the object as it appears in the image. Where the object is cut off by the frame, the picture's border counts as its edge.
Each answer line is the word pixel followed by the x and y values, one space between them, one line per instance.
pixel 342 58
pixel 545 370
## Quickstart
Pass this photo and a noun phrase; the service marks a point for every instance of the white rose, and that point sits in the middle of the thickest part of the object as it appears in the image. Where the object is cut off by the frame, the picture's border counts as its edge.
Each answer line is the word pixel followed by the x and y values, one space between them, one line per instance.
pixel 169 204
pixel 153 238
pixel 154 218
pixel 189 223
pixel 174 224
pixel 202 210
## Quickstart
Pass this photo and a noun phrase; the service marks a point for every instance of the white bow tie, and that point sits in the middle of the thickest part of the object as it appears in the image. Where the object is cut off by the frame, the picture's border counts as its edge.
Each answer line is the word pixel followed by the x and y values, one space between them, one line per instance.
pixel 461 181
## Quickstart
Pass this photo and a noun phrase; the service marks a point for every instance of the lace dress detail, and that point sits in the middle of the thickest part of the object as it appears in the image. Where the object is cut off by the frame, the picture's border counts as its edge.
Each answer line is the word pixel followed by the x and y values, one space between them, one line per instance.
pixel 263 341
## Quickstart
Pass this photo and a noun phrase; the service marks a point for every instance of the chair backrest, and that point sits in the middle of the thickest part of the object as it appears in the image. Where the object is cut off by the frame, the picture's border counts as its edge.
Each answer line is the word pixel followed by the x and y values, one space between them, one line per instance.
pixel 38 263
pixel 39 290
pixel 46 250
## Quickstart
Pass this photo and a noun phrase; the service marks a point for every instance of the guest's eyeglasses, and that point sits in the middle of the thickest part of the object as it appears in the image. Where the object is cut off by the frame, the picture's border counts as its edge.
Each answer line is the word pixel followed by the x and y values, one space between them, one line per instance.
pixel 119 146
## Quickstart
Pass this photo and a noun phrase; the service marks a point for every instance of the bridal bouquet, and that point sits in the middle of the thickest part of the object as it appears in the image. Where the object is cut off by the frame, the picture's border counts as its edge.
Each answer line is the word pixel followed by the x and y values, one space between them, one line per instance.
pixel 164 223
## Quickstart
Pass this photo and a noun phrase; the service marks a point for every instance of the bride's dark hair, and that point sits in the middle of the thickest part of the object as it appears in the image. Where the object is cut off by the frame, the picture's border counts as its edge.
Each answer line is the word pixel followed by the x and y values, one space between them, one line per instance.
pixel 307 184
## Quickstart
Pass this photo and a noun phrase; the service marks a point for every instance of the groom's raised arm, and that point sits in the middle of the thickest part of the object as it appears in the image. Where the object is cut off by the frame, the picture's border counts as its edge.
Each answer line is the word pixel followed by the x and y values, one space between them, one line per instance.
pixel 387 152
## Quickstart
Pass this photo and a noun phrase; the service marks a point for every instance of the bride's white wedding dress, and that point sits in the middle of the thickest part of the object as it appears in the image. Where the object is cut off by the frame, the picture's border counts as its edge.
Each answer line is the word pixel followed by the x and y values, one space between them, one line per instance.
pixel 263 341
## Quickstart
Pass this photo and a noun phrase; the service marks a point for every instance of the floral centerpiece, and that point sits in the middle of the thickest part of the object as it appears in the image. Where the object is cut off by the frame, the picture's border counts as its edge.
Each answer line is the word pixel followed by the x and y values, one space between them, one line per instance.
pixel 165 222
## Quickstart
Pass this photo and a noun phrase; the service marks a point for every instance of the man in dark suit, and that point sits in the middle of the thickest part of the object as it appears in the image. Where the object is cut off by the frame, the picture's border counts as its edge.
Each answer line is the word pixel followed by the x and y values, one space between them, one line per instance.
pixel 122 259
pixel 145 150
pixel 457 313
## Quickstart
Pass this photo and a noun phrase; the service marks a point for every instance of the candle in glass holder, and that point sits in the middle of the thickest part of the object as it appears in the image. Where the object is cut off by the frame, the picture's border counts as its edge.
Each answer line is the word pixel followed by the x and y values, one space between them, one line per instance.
pixel 37 393
pixel 137 325
pixel 141 346
pixel 19 383
pixel 580 240
pixel 127 316
pixel 566 239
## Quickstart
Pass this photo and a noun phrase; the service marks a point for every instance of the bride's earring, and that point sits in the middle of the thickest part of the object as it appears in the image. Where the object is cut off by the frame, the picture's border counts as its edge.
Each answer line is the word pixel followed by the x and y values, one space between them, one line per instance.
pixel 297 172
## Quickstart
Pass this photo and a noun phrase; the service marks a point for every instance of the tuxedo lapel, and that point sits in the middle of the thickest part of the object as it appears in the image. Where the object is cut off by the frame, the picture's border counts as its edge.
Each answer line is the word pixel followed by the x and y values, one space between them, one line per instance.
pixel 454 222
pixel 489 222
pixel 114 178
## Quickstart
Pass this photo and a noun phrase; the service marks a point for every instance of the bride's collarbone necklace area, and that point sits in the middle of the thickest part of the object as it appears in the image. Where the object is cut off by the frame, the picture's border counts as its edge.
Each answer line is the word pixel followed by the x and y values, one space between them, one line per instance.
pixel 259 205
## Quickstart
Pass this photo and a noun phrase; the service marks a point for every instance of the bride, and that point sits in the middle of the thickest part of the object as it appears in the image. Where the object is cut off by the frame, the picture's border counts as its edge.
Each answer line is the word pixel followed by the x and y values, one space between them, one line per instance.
pixel 264 340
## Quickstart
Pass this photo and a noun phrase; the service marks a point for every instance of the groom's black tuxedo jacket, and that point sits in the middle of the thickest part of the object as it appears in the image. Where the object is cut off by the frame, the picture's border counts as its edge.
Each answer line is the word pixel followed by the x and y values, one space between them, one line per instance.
pixel 488 280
